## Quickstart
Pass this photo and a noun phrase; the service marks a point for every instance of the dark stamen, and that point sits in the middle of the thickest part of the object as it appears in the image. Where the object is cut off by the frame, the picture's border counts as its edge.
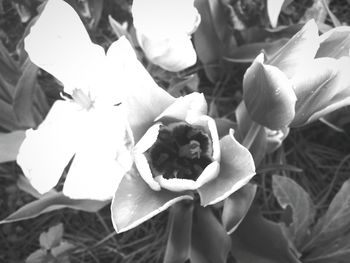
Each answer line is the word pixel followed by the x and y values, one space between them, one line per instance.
pixel 180 151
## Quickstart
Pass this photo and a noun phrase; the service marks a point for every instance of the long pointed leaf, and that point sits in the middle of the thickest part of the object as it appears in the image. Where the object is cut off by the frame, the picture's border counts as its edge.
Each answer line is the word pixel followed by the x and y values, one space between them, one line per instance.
pixel 24 95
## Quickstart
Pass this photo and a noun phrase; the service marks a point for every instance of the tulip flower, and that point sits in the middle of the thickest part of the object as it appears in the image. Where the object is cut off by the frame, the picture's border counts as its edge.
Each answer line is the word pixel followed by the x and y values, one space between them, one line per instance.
pixel 93 123
pixel 179 155
pixel 164 28
pixel 295 87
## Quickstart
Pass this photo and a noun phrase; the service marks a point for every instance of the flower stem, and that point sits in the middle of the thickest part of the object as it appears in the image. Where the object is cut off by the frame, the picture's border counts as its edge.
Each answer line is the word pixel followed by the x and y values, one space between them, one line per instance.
pixel 251 135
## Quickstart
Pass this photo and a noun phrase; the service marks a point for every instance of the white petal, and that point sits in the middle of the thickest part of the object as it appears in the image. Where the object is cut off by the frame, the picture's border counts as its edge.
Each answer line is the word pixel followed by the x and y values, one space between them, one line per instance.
pixel 103 155
pixel 164 17
pixel 59 43
pixel 45 152
pixel 148 139
pixel 209 173
pixel 117 74
pixel 173 53
pixel 176 184
pixel 145 171
pixel 187 108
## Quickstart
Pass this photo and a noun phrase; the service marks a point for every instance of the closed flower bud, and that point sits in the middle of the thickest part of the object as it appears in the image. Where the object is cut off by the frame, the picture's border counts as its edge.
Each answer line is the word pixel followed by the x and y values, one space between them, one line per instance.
pixel 268 95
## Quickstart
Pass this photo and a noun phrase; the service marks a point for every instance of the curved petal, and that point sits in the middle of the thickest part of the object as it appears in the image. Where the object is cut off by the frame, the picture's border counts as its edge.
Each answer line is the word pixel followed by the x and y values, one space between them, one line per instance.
pixel 335 43
pixel 148 139
pixel 178 185
pixel 59 43
pixel 268 95
pixel 236 169
pixel 172 53
pixel 209 173
pixel 143 98
pixel 103 155
pixel 145 171
pixel 135 202
pixel 187 108
pixel 300 49
pixel 45 152
pixel 323 88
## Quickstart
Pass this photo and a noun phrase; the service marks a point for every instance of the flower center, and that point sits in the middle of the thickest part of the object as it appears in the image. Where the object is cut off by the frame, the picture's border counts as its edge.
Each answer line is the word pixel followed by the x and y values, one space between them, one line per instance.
pixel 180 151
pixel 85 101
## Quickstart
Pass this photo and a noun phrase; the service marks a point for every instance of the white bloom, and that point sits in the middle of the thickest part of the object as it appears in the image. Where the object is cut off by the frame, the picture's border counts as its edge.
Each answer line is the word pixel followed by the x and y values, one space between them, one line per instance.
pixel 92 126
pixel 164 29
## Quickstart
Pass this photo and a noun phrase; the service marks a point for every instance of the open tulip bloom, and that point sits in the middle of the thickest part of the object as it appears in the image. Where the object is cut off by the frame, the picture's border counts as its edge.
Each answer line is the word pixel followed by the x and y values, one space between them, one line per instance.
pixel 164 28
pixel 303 81
pixel 178 156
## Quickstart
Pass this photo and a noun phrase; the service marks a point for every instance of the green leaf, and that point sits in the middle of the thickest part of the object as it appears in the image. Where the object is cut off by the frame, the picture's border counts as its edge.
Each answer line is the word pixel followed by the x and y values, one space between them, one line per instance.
pixel 289 193
pixel 135 202
pixel 62 249
pixel 50 202
pixel 248 52
pixel 236 207
pixel 207 41
pixel 210 243
pixel 40 256
pixel 180 227
pixel 8 67
pixel 8 119
pixel 9 145
pixel 236 169
pixel 96 8
pixel 6 90
pixel 51 238
pixel 23 102
pixel 24 184
pixel 335 222
pixel 335 251
pixel 260 240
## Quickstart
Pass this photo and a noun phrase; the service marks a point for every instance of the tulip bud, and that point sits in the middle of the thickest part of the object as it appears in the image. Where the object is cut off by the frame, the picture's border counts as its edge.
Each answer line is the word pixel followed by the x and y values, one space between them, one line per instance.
pixel 166 39
pixel 269 95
